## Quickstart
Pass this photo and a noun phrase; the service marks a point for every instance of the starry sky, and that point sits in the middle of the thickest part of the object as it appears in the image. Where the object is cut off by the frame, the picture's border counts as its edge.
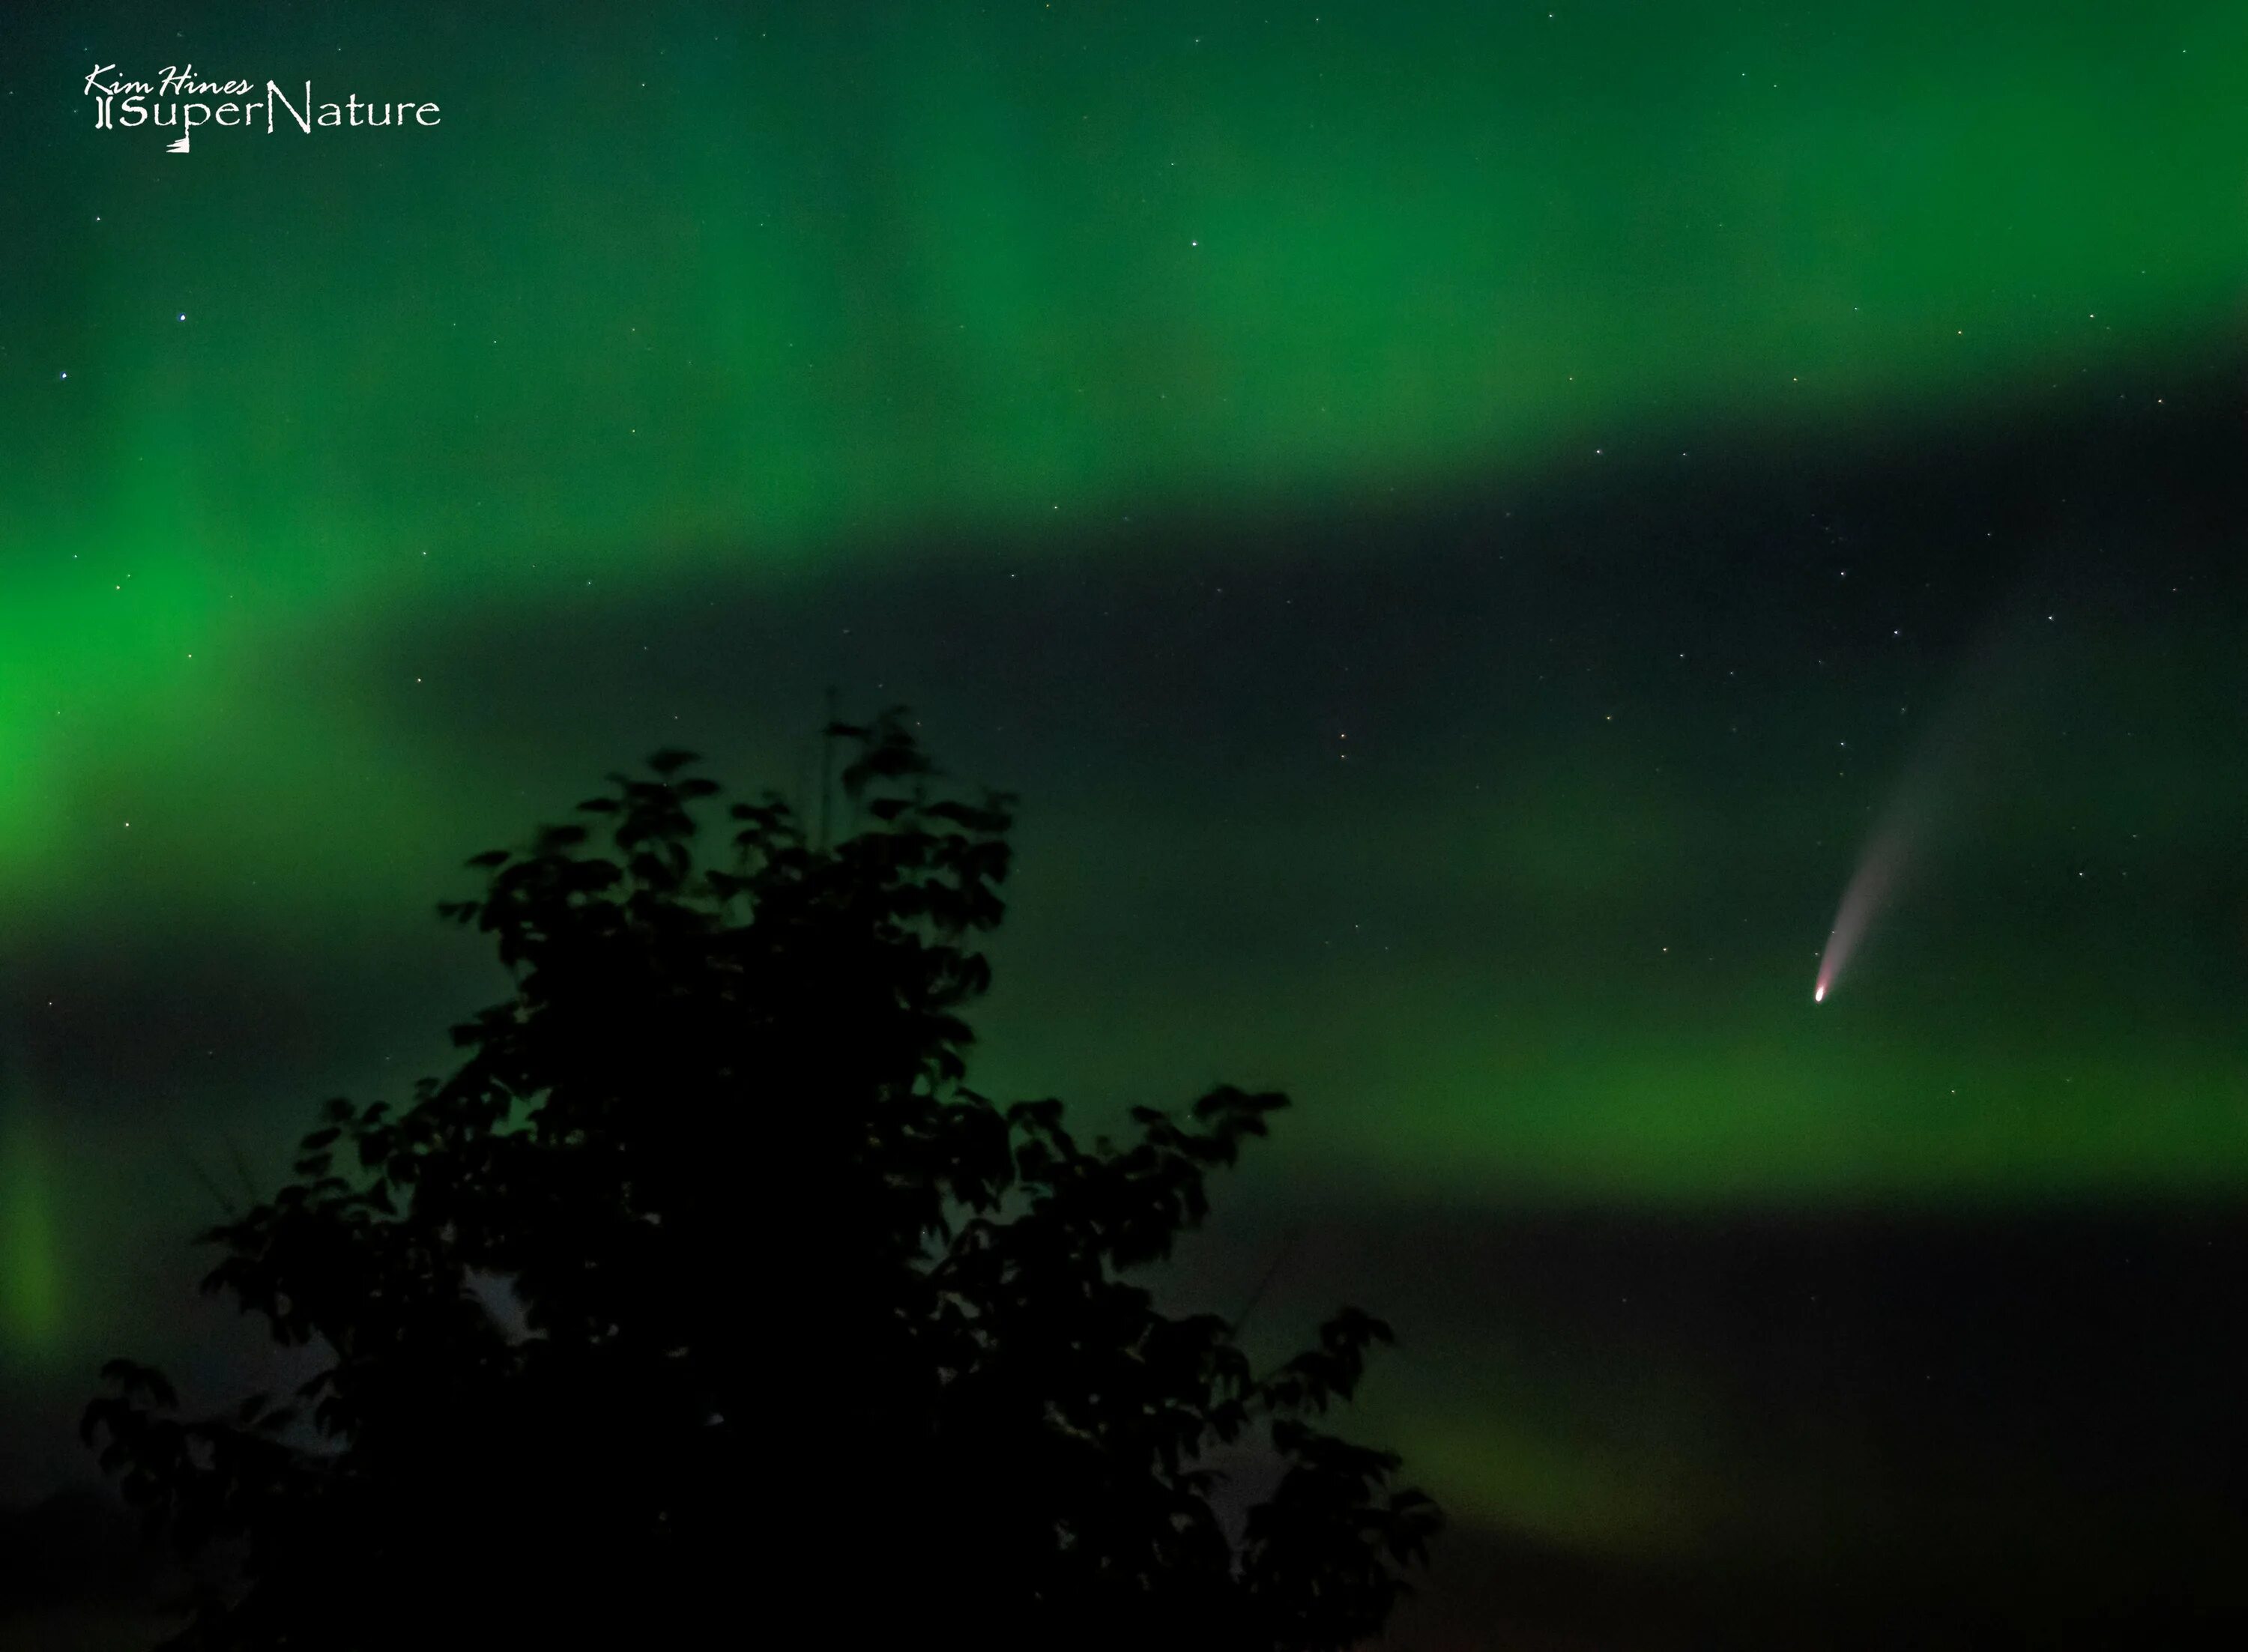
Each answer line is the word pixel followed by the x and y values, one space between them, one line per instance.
pixel 1463 522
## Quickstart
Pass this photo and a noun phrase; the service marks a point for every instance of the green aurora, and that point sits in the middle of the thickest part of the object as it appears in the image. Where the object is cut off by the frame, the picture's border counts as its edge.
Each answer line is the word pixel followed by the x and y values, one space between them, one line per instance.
pixel 636 313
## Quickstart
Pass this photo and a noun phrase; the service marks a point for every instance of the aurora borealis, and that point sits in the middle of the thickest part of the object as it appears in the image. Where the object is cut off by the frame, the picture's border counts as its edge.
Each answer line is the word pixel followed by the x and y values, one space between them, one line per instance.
pixel 1459 520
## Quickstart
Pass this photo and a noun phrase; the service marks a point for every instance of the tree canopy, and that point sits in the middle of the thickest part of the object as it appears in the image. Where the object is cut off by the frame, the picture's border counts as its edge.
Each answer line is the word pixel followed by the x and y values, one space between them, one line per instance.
pixel 706 1292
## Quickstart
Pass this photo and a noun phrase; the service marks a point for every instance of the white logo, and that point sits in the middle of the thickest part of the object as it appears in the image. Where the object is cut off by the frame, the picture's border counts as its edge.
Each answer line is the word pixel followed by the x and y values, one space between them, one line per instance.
pixel 177 101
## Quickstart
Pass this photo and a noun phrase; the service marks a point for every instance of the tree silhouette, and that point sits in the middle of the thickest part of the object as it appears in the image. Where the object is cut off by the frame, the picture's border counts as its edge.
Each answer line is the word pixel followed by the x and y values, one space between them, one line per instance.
pixel 706 1292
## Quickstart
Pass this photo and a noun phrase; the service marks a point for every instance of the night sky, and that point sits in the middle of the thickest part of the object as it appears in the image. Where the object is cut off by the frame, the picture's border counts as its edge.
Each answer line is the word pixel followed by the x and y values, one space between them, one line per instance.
pixel 1469 525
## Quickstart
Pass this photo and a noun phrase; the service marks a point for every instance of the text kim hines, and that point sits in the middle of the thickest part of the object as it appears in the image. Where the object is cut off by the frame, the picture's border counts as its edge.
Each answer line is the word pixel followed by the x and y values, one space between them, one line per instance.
pixel 133 103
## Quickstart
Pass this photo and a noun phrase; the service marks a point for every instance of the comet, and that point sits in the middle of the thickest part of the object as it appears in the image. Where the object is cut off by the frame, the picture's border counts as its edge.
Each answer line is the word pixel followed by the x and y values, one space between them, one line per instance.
pixel 1867 892
pixel 1966 751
